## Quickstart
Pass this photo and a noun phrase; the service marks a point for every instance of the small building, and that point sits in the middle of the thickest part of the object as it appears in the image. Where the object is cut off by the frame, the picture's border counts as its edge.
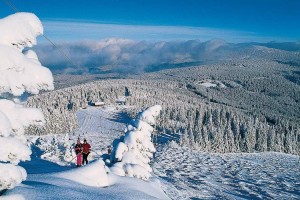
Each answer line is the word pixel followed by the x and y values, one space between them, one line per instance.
pixel 99 103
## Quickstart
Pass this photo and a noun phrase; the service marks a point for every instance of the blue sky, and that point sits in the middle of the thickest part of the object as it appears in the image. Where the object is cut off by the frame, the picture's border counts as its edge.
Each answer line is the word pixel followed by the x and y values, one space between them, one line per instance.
pixel 232 20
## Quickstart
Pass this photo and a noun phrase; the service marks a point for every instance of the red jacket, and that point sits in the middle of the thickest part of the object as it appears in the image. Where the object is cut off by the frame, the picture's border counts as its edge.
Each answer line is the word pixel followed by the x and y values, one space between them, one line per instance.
pixel 86 148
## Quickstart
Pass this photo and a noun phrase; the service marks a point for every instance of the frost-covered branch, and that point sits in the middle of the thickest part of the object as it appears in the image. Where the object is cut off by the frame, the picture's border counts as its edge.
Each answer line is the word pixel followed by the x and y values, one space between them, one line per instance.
pixel 20 72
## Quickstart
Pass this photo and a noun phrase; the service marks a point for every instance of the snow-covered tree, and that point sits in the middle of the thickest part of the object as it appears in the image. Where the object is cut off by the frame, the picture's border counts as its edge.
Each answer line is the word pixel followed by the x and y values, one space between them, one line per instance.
pixel 132 152
pixel 69 153
pixel 21 73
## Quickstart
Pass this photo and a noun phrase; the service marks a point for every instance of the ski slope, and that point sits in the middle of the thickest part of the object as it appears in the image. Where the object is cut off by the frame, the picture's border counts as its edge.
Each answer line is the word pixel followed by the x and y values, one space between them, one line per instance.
pixel 48 180
pixel 100 126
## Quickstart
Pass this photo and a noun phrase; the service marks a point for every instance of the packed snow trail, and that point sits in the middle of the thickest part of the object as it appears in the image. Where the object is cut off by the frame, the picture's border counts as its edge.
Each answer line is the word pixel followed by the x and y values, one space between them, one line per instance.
pixel 189 174
pixel 100 126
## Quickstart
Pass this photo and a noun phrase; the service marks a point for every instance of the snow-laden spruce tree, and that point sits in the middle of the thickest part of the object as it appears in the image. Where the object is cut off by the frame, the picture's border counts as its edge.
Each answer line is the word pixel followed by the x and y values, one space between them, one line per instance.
pixel 69 153
pixel 21 73
pixel 131 153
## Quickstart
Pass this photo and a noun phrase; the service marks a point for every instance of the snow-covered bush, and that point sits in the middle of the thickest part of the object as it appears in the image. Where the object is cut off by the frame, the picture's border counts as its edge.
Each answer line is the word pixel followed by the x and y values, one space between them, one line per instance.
pixel 21 72
pixel 131 153
pixel 69 150
pixel 58 149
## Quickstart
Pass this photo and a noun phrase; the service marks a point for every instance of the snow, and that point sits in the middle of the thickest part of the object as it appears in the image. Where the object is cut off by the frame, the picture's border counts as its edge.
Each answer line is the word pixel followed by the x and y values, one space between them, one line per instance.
pixel 191 174
pixel 13 150
pixel 20 73
pixel 18 117
pixel 121 100
pixel 13 197
pixel 11 175
pixel 99 125
pixel 99 103
pixel 94 174
pixel 179 172
pixel 20 30
pixel 49 186
pixel 32 55
pixel 120 150
pixel 5 127
pixel 208 84
pixel 212 83
pixel 131 154
pixel 47 180
pixel 150 114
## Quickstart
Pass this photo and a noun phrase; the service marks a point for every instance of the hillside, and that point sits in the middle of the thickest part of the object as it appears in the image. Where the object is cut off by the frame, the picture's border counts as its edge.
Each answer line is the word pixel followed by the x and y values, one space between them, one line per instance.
pixel 235 106
pixel 50 176
pixel 179 172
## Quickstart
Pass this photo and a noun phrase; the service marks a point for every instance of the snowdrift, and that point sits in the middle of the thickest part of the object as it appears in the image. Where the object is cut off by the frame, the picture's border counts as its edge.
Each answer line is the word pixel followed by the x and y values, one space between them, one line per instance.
pixel 94 174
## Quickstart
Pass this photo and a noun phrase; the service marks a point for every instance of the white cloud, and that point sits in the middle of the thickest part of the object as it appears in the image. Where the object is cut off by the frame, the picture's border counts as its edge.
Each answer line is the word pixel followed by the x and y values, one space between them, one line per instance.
pixel 144 47
pixel 124 55
pixel 74 31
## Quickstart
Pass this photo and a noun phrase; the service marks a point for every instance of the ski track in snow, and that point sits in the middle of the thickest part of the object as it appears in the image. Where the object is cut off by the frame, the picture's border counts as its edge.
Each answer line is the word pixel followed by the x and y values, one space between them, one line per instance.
pixel 100 127
pixel 188 174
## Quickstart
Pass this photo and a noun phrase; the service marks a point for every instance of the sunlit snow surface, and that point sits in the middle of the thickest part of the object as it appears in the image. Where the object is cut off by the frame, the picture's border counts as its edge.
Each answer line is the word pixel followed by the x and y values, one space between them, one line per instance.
pixel 194 175
pixel 184 174
pixel 48 180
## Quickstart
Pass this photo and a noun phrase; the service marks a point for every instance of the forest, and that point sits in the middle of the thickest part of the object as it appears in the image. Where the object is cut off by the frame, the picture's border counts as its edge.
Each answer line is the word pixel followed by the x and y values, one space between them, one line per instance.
pixel 245 106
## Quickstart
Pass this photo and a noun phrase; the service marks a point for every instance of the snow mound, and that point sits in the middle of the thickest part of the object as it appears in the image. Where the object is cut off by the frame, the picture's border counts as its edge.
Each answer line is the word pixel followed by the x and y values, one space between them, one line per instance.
pixel 131 153
pixel 20 30
pixel 11 175
pixel 94 174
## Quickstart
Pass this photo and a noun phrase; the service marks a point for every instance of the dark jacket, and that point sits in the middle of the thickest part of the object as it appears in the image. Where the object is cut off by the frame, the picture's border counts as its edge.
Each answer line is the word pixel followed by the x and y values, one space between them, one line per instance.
pixel 78 148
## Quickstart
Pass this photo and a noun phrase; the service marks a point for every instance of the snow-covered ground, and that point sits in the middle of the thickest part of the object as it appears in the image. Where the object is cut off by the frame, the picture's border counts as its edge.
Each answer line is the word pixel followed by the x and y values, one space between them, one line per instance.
pixel 100 126
pixel 183 173
pixel 211 83
pixel 44 182
pixel 188 174
pixel 48 180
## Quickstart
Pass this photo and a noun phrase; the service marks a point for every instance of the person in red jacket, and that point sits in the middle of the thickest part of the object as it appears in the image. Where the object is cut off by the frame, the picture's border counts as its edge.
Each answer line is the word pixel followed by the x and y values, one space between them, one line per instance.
pixel 86 149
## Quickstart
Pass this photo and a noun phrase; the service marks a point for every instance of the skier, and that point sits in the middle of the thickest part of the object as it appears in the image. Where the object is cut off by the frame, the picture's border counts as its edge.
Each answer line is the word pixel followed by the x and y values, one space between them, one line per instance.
pixel 109 150
pixel 78 151
pixel 86 148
